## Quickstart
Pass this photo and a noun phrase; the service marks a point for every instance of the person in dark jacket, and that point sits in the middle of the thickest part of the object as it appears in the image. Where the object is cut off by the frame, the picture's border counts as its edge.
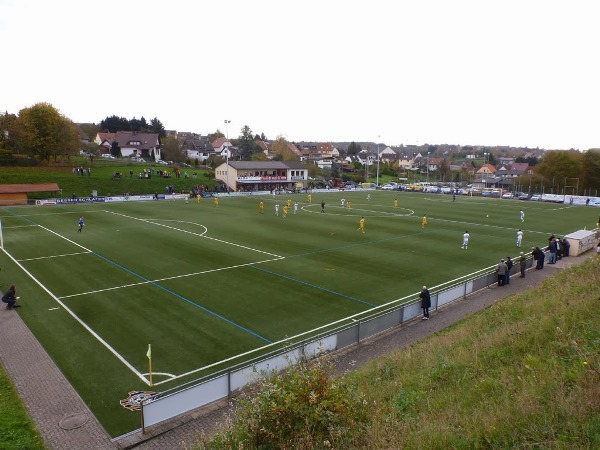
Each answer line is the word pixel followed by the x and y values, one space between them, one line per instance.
pixel 425 302
pixel 566 246
pixel 509 265
pixel 10 298
pixel 539 257
pixel 553 248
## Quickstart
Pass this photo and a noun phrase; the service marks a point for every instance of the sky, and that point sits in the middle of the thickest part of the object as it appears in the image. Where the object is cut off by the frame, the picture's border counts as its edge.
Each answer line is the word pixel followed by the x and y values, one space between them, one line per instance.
pixel 469 72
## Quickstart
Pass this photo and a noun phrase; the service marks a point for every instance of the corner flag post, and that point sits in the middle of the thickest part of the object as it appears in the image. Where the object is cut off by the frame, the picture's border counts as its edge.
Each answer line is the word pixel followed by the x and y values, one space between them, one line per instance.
pixel 149 355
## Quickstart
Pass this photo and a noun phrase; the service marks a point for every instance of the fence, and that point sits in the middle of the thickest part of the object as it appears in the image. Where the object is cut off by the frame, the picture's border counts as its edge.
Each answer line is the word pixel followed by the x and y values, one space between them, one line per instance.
pixel 350 331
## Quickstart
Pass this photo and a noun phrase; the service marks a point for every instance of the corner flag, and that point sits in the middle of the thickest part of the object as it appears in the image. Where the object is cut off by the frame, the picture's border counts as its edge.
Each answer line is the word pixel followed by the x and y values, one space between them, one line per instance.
pixel 149 355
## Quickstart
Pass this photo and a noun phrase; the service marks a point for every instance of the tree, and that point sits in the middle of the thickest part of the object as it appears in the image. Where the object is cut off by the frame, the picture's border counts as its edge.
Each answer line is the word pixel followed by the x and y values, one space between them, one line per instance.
pixel 212 137
pixel 353 148
pixel 171 149
pixel 445 170
pixel 90 129
pixel 8 133
pixel 590 174
pixel 115 150
pixel 113 124
pixel 558 165
pixel 247 146
pixel 282 150
pixel 156 126
pixel 43 132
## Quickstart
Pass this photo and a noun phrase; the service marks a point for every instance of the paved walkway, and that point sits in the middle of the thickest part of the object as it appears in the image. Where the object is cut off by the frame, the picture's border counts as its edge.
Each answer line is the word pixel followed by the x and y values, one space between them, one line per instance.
pixel 66 423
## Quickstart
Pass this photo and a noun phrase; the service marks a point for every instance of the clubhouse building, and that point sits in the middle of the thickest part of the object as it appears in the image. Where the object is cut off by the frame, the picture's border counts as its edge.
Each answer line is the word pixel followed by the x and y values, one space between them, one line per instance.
pixel 248 176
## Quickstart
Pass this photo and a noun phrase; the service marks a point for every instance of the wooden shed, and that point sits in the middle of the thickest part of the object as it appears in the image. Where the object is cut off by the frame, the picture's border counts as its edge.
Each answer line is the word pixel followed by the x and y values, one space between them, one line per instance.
pixel 16 194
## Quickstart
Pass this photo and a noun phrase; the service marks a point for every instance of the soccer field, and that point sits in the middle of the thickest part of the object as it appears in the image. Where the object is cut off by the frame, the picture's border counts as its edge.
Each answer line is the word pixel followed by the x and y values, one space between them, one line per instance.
pixel 204 284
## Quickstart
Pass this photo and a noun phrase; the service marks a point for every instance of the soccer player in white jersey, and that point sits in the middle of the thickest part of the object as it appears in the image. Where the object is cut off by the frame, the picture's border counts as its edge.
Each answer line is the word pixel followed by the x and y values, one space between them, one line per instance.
pixel 522 215
pixel 465 243
pixel 519 237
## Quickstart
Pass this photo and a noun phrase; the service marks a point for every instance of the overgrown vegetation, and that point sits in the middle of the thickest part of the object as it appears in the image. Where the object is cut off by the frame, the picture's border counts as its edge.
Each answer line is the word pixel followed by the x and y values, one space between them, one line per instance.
pixel 17 431
pixel 304 407
pixel 524 373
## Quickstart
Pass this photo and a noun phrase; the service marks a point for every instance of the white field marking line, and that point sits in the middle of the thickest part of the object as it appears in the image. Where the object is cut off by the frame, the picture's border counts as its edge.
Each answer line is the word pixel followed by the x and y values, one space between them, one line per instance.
pixel 196 234
pixel 486 225
pixel 20 226
pixel 81 322
pixel 377 214
pixel 66 239
pixel 165 374
pixel 55 256
pixel 170 278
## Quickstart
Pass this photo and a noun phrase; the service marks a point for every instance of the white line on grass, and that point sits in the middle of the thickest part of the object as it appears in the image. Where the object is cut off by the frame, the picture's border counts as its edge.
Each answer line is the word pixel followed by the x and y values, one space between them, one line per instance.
pixel 169 278
pixel 55 256
pixel 349 212
pixel 81 322
pixel 20 226
pixel 152 221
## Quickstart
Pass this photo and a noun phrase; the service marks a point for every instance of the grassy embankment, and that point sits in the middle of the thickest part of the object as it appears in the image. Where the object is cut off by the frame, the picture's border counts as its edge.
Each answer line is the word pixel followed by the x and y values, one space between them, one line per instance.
pixel 102 178
pixel 524 373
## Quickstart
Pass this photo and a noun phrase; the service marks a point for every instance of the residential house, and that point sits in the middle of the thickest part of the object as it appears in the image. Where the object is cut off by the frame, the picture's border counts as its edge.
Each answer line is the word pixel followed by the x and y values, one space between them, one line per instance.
pixel 486 171
pixel 141 145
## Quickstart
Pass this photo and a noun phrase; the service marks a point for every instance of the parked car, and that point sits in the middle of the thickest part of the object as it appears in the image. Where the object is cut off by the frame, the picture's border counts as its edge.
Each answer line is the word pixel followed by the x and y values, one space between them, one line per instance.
pixel 536 198
pixel 388 187
pixel 507 195
pixel 523 196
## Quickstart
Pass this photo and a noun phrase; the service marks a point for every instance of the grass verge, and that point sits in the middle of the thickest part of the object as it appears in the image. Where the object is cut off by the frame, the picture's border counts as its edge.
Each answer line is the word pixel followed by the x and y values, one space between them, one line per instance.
pixel 17 430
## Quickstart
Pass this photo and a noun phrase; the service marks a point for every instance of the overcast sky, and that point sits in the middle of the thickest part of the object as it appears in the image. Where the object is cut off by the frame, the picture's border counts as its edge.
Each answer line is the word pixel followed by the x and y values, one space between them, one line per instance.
pixel 480 72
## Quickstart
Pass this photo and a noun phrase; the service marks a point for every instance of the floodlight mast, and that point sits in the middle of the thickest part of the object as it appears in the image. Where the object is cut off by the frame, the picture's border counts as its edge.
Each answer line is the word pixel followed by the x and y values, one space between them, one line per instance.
pixel 227 122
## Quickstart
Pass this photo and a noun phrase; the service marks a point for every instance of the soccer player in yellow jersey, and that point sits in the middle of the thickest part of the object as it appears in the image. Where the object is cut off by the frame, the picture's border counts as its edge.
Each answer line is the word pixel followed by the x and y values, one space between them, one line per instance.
pixel 424 222
pixel 216 202
pixel 361 224
pixel 348 206
pixel 289 203
pixel 261 207
pixel 285 211
pixel 395 203
pixel 309 198
pixel 198 197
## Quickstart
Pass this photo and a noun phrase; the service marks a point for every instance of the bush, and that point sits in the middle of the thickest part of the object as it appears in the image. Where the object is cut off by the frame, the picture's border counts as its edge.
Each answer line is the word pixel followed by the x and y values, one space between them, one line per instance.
pixel 303 407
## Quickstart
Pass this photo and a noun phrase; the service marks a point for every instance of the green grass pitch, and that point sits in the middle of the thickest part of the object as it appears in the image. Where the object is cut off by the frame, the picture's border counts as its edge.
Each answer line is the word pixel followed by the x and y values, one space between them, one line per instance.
pixel 204 284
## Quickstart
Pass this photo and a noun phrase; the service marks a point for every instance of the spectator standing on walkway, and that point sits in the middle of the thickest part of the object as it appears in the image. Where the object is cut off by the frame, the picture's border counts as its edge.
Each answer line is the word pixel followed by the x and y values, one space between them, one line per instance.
pixel 501 272
pixel 553 248
pixel 509 265
pixel 539 257
pixel 566 246
pixel 522 264
pixel 10 298
pixel 425 302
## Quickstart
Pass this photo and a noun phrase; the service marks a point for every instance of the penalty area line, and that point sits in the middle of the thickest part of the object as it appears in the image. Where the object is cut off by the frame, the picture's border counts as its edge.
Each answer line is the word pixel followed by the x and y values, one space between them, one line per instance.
pixel 81 322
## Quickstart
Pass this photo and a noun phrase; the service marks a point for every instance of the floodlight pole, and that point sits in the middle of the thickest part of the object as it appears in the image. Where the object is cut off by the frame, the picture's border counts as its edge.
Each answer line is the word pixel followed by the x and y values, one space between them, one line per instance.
pixel 378 138
pixel 227 122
